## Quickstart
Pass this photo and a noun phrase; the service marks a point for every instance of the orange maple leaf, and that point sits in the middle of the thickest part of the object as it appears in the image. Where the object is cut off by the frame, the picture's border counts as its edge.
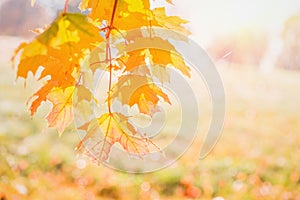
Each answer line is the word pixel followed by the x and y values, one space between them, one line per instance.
pixel 59 51
pixel 139 90
pixel 164 57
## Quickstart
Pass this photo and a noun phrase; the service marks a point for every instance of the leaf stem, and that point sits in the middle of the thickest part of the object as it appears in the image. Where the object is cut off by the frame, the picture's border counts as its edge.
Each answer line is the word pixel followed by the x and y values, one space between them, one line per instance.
pixel 66 6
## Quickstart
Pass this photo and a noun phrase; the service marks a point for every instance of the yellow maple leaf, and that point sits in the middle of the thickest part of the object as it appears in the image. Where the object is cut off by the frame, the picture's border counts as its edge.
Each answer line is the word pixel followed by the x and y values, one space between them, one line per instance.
pixel 110 128
pixel 61 114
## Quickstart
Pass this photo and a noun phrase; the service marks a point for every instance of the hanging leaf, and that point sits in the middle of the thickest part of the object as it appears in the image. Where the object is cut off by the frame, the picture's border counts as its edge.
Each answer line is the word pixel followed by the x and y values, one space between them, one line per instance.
pixel 61 114
pixel 58 50
pixel 115 128
pixel 140 91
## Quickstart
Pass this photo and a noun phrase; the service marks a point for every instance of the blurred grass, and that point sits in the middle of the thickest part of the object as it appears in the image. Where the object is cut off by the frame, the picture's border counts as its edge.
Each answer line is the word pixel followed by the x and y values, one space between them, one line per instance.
pixel 257 157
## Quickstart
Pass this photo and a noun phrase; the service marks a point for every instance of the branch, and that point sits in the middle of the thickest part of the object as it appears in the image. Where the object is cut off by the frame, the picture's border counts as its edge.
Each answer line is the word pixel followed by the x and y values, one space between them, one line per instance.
pixel 108 54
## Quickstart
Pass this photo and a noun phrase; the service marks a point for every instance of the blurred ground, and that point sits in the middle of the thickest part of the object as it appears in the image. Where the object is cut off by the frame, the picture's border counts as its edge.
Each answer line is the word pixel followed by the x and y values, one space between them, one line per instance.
pixel 258 156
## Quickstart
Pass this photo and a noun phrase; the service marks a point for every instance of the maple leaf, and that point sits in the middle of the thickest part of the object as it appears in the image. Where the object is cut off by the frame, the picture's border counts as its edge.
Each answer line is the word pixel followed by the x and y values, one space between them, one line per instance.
pixel 98 59
pixel 61 114
pixel 159 59
pixel 139 90
pixel 161 73
pixel 83 94
pixel 169 22
pixel 110 128
pixel 134 62
pixel 58 50
pixel 61 44
pixel 40 96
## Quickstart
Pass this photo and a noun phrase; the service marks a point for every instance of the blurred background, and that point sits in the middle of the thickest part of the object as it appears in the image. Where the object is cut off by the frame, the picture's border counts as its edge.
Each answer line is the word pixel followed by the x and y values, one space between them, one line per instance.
pixel 256 48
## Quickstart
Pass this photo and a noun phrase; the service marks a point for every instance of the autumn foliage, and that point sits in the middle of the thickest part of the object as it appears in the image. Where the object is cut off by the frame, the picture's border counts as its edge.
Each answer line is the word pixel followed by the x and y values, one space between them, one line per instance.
pixel 58 53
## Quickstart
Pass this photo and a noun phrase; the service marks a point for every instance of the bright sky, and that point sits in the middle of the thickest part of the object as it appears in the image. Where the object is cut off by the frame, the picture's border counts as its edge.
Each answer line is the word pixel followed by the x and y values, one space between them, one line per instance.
pixel 209 18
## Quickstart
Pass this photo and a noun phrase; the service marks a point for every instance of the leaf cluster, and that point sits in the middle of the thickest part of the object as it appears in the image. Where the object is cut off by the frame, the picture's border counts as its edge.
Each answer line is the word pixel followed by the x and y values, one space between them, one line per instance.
pixel 56 57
